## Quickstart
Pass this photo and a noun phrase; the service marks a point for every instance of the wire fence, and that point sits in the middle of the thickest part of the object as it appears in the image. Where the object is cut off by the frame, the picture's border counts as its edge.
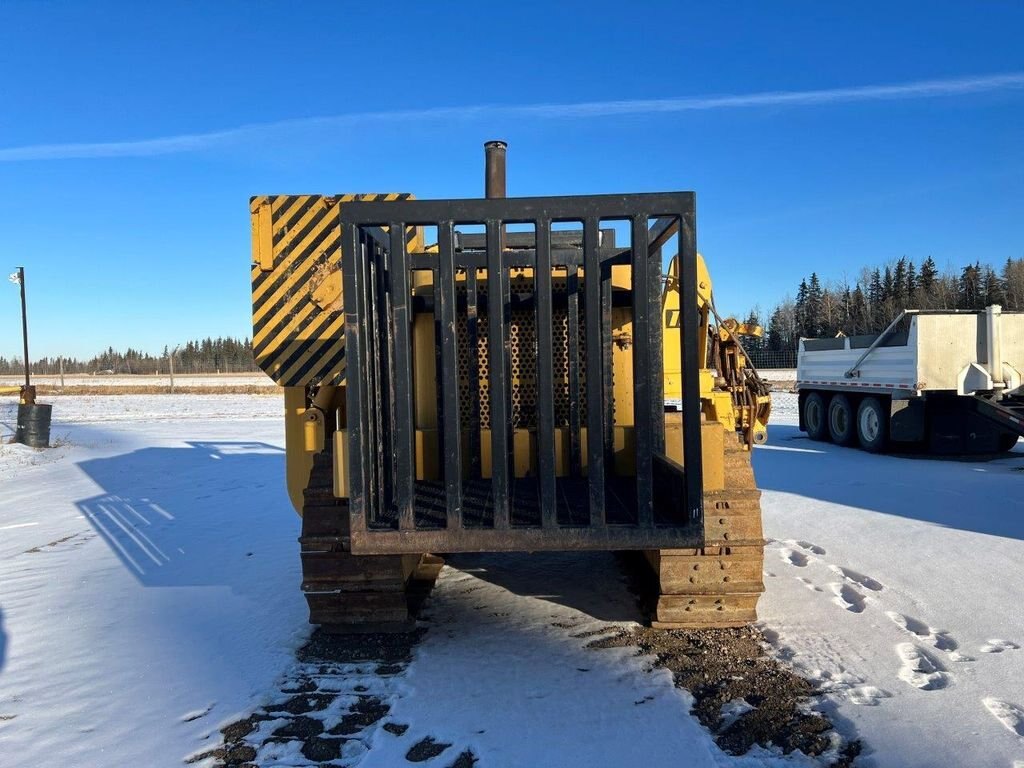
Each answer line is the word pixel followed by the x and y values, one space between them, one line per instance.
pixel 773 358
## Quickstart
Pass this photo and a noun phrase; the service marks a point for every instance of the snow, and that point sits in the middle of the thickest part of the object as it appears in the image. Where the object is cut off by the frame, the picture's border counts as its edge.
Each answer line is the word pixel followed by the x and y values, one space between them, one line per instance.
pixel 147 572
pixel 896 582
pixel 162 380
pixel 149 595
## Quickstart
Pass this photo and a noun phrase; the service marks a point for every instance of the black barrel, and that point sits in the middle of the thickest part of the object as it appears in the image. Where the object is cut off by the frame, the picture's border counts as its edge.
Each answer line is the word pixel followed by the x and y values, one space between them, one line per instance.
pixel 33 425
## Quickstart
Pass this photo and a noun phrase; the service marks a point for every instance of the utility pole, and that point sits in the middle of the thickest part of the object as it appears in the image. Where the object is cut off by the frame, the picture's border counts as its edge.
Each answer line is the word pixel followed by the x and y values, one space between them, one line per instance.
pixel 170 360
pixel 24 323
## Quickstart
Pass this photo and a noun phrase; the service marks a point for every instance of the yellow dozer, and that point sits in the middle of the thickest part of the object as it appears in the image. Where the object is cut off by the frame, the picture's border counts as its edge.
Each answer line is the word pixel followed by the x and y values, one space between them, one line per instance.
pixel 507 374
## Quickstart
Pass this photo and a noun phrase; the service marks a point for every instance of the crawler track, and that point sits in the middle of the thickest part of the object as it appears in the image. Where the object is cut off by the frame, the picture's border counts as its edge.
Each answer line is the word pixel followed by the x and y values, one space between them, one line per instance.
pixel 368 593
pixel 717 585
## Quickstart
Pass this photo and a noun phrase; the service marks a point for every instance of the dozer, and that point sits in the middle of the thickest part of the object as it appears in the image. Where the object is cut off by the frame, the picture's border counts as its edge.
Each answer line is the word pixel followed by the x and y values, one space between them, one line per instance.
pixel 507 374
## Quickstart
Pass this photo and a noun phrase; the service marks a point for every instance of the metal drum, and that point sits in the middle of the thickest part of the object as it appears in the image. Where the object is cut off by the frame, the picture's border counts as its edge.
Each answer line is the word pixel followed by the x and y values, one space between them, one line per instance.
pixel 33 425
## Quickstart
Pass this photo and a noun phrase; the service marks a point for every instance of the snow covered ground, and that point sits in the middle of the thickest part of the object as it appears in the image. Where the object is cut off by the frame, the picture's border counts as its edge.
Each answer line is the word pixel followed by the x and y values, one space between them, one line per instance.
pixel 180 380
pixel 149 595
pixel 897 583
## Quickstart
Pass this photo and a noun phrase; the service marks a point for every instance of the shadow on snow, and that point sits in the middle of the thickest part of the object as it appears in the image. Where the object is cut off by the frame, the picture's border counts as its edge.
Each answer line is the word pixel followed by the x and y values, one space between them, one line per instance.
pixel 188 516
pixel 977 495
pixel 594 583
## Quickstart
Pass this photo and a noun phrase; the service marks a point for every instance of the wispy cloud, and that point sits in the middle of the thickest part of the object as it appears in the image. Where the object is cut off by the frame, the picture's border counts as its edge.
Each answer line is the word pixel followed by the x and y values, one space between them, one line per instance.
pixel 196 142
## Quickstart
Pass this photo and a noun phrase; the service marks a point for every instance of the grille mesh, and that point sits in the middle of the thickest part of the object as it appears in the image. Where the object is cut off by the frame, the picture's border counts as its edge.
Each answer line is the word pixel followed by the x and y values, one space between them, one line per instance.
pixel 522 357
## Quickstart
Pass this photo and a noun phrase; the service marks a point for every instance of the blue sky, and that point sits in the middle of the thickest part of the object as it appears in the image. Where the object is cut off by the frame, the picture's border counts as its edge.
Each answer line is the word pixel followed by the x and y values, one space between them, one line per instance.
pixel 125 179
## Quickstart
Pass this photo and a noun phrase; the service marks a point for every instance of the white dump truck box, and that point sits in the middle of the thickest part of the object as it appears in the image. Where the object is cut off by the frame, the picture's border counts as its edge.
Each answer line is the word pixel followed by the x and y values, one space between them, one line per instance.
pixel 922 350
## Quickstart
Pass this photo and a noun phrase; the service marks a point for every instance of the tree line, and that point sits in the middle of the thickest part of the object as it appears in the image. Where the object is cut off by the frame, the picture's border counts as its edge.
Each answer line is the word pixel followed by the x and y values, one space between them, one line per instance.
pixel 220 355
pixel 879 294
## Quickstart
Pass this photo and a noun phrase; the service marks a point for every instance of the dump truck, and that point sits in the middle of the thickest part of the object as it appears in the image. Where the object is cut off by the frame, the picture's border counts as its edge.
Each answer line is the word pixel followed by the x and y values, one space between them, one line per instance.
pixel 945 381
pixel 507 374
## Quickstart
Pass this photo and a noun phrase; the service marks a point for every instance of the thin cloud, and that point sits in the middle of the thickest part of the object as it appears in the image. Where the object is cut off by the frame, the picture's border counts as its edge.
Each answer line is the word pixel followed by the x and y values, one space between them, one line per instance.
pixel 197 142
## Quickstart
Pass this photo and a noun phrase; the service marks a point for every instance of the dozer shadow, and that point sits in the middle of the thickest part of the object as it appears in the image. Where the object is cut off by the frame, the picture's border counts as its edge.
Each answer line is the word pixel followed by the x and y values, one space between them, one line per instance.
pixel 186 516
pixel 986 491
pixel 598 584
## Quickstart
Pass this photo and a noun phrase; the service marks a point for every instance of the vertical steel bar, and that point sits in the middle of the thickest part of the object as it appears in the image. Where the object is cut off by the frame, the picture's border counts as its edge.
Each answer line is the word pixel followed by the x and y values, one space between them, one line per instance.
pixel 607 396
pixel 694 503
pixel 435 279
pixel 355 305
pixel 645 417
pixel 572 288
pixel 473 338
pixel 448 380
pixel 595 371
pixel 384 361
pixel 497 349
pixel 655 343
pixel 545 376
pixel 403 445
pixel 371 386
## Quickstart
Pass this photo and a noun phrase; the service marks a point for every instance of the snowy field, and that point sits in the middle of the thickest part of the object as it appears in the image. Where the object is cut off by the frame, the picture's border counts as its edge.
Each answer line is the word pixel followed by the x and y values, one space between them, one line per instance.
pixel 777 374
pixel 180 380
pixel 149 595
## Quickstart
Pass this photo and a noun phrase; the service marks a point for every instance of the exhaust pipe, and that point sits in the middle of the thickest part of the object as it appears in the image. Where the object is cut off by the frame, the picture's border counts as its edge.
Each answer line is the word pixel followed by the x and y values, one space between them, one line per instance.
pixel 494 172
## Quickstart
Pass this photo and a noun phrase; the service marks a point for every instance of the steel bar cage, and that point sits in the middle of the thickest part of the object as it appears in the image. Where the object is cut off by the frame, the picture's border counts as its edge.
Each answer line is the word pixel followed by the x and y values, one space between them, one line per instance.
pixel 384 494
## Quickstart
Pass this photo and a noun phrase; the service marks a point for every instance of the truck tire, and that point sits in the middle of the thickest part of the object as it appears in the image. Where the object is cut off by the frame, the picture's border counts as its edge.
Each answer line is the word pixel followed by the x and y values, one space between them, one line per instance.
pixel 816 417
pixel 841 426
pixel 872 425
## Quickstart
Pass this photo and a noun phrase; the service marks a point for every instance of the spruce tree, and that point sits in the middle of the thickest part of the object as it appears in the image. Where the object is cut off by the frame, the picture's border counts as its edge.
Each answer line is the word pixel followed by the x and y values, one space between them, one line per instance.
pixel 928 274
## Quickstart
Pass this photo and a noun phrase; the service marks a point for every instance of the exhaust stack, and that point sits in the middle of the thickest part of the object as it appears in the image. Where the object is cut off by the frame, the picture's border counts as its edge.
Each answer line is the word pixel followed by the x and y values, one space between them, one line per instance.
pixel 494 172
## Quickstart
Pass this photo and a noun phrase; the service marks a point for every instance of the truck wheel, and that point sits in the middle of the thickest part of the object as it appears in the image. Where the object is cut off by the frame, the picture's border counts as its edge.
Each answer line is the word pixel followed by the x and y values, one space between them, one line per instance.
pixel 872 425
pixel 840 420
pixel 814 417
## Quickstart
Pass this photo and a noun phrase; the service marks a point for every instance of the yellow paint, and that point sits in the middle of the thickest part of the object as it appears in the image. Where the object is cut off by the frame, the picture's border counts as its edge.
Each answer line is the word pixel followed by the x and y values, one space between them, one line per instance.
pixel 299 461
pixel 304 305
pixel 341 463
pixel 262 236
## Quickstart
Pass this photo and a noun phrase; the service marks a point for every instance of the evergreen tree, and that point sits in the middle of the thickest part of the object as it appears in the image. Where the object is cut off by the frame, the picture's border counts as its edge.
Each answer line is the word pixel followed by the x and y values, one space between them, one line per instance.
pixel 992 288
pixel 801 309
pixel 970 293
pixel 899 282
pixel 860 318
pixel 814 307
pixel 911 288
pixel 928 274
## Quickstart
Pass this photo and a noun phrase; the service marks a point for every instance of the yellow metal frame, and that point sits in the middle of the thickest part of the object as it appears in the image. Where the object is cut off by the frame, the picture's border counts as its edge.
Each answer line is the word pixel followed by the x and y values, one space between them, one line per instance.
pixel 307 409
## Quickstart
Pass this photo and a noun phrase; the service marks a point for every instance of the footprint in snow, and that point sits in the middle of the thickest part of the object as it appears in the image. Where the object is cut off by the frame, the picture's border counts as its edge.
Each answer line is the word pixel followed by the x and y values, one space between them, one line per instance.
pixel 191 717
pixel 868 695
pixel 920 669
pixel 1009 715
pixel 939 638
pixel 809 584
pixel 847 597
pixel 996 645
pixel 857 578
pixel 791 556
pixel 812 548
